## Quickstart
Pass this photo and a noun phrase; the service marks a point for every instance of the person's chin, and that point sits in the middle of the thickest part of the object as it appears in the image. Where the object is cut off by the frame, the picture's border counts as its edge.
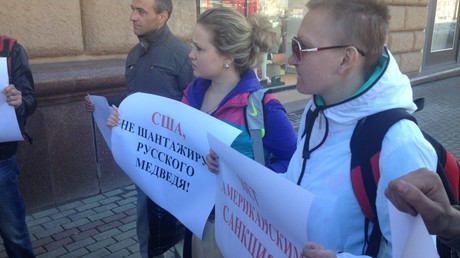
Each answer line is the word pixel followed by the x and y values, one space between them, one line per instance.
pixel 196 73
pixel 137 32
pixel 300 85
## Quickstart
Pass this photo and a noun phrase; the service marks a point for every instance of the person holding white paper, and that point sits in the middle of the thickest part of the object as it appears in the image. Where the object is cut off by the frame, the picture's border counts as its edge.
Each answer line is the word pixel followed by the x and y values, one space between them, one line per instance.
pixel 158 65
pixel 226 48
pixel 224 67
pixel 422 192
pixel 20 95
pixel 340 57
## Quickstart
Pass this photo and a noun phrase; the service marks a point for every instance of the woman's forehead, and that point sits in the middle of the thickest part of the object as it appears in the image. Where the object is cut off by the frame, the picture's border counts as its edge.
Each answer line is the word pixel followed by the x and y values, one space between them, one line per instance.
pixel 317 27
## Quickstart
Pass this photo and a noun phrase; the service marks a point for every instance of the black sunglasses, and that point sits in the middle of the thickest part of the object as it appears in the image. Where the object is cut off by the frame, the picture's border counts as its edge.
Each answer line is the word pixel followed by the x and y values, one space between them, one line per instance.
pixel 297 50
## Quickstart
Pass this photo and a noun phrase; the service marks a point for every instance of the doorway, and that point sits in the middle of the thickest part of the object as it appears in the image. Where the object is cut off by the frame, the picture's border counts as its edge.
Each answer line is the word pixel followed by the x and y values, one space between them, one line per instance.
pixel 442 40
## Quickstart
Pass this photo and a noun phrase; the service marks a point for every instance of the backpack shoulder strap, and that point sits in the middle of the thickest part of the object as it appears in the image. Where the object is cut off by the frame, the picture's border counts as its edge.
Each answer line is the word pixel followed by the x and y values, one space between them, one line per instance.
pixel 6 47
pixel 256 123
pixel 365 146
pixel 448 169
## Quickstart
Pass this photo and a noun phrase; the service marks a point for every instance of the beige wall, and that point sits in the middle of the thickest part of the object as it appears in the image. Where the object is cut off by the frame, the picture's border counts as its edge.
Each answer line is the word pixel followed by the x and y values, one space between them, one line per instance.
pixel 63 30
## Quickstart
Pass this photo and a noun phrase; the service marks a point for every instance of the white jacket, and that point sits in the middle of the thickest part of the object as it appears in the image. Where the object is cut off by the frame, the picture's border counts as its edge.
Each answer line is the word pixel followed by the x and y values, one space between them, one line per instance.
pixel 335 220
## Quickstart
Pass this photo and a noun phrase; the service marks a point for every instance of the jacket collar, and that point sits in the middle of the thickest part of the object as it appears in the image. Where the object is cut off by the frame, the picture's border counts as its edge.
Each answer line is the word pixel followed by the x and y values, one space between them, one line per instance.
pixel 155 38
pixel 387 88
pixel 248 83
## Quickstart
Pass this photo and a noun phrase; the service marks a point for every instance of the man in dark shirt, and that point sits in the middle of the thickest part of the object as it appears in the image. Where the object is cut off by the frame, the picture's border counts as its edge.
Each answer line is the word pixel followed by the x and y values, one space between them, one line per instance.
pixel 159 65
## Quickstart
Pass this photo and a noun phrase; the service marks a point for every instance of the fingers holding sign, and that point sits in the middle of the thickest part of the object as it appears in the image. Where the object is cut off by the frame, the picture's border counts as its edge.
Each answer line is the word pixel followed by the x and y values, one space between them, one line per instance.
pixel 13 96
pixel 114 118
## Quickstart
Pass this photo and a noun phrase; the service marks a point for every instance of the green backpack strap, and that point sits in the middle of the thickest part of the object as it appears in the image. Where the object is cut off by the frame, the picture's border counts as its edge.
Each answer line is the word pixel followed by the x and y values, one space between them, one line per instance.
pixel 255 121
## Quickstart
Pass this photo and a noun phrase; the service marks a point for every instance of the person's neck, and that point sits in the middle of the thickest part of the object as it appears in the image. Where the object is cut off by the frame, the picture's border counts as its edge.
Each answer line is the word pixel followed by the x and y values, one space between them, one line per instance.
pixel 345 88
pixel 151 36
pixel 218 90
pixel 224 84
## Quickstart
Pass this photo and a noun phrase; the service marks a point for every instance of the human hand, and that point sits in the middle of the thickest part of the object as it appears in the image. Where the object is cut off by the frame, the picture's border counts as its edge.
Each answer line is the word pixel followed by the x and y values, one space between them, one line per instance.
pixel 13 96
pixel 114 118
pixel 89 106
pixel 422 192
pixel 212 160
pixel 315 250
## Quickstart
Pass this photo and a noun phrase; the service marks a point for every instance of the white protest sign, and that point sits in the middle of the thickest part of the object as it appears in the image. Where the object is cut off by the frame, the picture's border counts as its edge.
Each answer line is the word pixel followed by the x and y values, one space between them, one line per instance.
pixel 161 144
pixel 409 236
pixel 101 112
pixel 258 212
pixel 9 126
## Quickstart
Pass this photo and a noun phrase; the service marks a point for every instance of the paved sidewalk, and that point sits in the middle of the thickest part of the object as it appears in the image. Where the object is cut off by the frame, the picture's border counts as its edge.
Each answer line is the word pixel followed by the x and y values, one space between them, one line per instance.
pixel 441 115
pixel 104 225
pixel 98 226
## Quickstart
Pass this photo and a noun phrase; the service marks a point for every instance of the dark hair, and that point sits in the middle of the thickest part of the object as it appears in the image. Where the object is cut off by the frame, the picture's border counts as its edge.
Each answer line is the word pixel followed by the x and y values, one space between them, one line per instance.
pixel 362 23
pixel 234 35
pixel 163 6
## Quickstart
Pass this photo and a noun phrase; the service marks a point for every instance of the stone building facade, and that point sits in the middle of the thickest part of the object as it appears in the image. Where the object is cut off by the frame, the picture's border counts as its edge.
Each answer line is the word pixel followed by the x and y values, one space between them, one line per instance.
pixel 78 47
pixel 80 30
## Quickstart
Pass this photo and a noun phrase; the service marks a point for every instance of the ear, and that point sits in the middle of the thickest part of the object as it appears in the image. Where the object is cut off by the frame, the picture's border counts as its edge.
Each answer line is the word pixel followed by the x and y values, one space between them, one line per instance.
pixel 350 59
pixel 229 59
pixel 164 16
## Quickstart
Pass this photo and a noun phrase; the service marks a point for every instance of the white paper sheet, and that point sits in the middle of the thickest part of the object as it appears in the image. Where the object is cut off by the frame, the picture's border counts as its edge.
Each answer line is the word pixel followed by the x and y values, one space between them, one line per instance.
pixel 410 236
pixel 257 211
pixel 101 113
pixel 9 127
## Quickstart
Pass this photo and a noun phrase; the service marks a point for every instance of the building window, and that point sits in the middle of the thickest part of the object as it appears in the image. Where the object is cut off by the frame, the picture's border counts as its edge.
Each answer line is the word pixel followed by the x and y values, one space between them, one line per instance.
pixel 286 16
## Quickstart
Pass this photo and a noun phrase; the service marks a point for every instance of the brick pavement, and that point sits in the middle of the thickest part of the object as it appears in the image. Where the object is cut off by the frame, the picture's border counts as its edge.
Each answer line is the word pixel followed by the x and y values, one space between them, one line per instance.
pixel 104 225
pixel 440 117
pixel 92 227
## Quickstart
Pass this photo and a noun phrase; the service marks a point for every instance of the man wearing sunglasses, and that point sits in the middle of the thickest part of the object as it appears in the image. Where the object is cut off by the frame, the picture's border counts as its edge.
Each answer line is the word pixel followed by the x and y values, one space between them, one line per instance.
pixel 340 59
